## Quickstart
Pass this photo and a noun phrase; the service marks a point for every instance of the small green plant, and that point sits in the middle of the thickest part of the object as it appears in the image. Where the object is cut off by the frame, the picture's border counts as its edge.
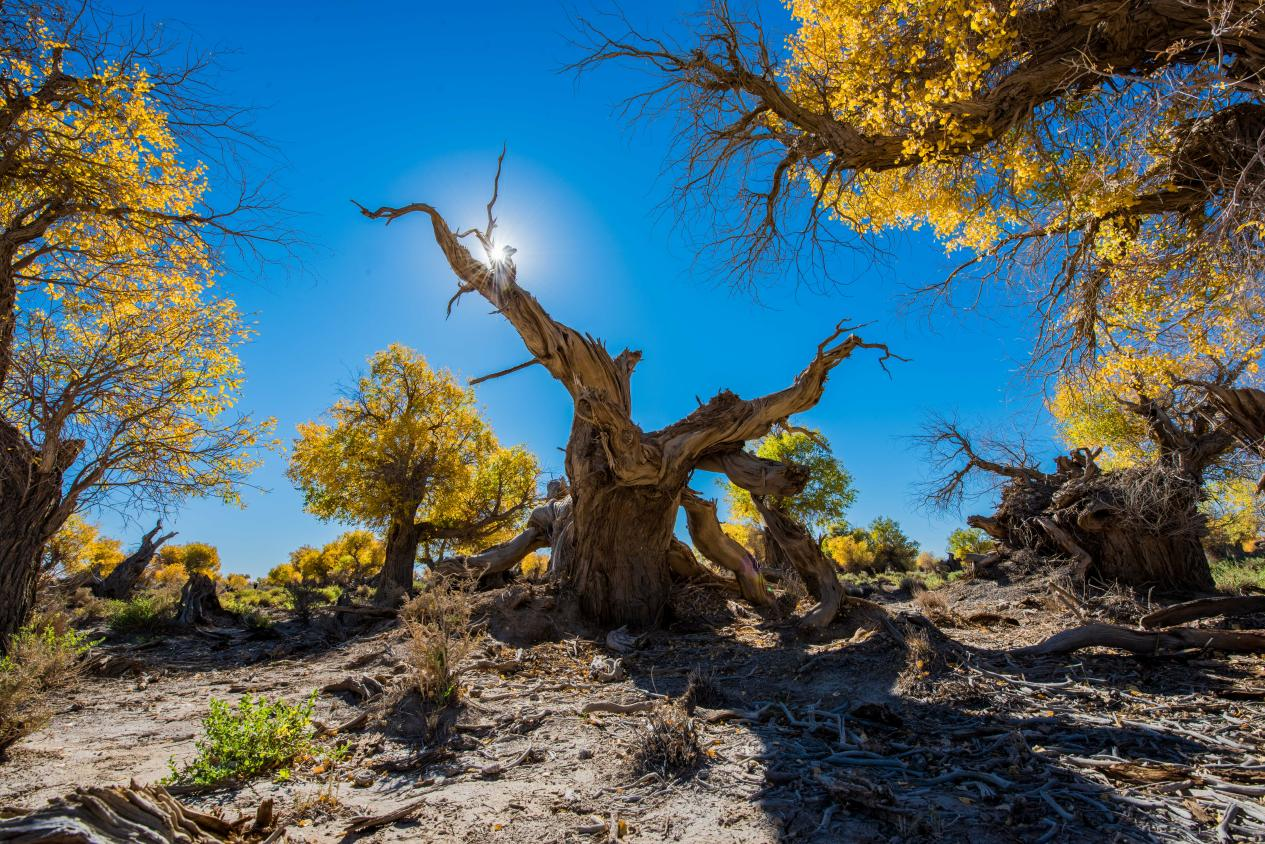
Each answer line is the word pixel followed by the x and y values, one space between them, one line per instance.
pixel 1232 575
pixel 255 737
pixel 146 613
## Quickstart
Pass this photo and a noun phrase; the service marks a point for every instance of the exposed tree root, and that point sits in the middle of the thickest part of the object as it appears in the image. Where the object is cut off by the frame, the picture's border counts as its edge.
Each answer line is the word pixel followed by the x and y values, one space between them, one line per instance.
pixel 97 815
pixel 1147 642
pixel 1204 608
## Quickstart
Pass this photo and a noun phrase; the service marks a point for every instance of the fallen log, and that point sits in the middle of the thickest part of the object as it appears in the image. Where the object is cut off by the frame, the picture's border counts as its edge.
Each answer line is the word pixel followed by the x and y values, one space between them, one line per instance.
pixel 1147 642
pixel 1204 608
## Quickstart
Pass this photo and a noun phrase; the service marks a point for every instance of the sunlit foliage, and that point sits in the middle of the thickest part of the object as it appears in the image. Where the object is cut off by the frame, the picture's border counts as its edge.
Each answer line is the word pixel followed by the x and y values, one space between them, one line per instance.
pixel 408 446
pixel 80 546
pixel 826 498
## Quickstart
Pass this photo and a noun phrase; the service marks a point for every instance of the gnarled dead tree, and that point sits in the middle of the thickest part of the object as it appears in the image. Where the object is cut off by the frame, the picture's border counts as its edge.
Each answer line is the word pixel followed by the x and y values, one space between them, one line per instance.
pixel 1139 526
pixel 613 543
pixel 120 582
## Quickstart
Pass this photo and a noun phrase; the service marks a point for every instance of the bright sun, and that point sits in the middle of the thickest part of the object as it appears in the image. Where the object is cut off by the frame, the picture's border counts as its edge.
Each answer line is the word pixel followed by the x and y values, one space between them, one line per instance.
pixel 499 253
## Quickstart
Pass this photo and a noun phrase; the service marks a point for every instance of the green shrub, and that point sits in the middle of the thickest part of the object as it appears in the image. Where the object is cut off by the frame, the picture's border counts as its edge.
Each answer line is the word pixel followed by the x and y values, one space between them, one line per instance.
pixel 242 600
pixel 146 613
pixel 256 737
pixel 1232 575
pixel 41 658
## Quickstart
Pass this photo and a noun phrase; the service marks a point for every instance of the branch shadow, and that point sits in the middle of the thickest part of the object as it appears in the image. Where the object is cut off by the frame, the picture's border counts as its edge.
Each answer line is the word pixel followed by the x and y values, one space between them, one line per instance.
pixel 857 736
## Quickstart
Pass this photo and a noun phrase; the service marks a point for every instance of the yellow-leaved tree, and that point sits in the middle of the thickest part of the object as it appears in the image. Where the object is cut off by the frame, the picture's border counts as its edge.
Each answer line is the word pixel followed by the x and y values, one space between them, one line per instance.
pixel 118 357
pixel 407 451
pixel 1117 147
pixel 80 546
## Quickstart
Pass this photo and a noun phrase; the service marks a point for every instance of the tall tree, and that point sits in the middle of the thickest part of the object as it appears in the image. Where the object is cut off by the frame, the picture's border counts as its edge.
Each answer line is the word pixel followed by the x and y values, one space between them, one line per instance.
pixel 407 451
pixel 118 366
pixel 611 539
pixel 1115 146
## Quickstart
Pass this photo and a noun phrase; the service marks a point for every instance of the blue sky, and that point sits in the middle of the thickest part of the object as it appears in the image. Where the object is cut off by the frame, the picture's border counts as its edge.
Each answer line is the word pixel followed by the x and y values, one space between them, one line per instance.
pixel 392 102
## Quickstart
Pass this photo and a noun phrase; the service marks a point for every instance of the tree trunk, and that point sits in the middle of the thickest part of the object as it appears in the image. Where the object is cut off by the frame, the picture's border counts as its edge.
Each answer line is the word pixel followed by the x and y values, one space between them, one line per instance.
pixel 792 542
pixel 30 513
pixel 1144 559
pixel 396 578
pixel 120 582
pixel 198 601
pixel 619 554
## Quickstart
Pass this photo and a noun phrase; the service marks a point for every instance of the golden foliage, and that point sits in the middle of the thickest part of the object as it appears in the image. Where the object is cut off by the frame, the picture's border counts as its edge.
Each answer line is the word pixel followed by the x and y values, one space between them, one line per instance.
pixel 410 444
pixel 118 351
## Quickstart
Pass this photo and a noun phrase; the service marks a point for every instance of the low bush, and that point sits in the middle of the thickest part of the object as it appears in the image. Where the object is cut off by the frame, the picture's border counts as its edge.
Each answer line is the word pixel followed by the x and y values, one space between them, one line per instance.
pixel 1235 575
pixel 145 613
pixel 255 737
pixel 668 745
pixel 248 598
pixel 438 622
pixel 42 658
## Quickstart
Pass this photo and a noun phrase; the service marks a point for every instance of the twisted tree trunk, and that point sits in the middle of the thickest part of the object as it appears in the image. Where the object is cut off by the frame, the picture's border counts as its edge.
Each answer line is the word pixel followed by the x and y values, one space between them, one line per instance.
pixel 198 602
pixel 615 547
pixel 120 582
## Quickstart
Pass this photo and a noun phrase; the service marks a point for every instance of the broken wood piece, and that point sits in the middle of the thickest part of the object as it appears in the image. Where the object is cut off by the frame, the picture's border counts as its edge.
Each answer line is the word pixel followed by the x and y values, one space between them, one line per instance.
pixel 617 708
pixel 1147 642
pixel 1204 608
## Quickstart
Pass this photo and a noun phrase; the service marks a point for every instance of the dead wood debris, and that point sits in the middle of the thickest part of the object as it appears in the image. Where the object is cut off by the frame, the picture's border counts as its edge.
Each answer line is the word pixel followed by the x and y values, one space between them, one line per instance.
pixel 99 815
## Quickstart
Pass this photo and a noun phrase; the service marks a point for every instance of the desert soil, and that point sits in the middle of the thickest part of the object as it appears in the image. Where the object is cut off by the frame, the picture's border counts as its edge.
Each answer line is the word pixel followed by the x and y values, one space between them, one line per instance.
pixel 852 735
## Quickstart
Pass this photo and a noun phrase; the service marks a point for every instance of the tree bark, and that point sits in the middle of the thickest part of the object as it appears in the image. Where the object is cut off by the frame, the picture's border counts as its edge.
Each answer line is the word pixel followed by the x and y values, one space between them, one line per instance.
pixel 120 582
pixel 817 571
pixel 396 578
pixel 619 548
pixel 31 512
pixel 722 549
pixel 198 601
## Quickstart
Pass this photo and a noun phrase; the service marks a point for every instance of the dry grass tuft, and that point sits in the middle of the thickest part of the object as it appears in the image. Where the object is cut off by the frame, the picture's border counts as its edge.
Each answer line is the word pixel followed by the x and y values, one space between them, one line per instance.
pixel 668 745
pixel 702 688
pixel 438 623
pixel 42 658
pixel 933 605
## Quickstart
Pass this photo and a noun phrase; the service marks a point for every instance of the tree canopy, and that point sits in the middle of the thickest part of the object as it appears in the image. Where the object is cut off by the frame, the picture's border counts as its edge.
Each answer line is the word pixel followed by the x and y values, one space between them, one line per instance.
pixel 407 451
pixel 118 357
pixel 1114 148
pixel 826 497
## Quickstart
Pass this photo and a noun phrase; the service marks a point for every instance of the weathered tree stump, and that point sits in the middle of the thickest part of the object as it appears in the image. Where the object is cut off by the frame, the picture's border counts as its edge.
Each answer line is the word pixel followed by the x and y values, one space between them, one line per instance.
pixel 121 582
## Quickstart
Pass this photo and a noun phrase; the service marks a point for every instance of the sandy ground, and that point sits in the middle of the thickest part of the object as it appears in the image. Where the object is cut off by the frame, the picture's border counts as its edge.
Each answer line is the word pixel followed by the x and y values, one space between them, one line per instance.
pixel 852 735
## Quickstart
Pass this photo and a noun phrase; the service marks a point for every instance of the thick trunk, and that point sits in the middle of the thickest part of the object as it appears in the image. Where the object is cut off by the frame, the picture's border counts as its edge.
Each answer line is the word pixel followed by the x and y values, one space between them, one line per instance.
pixel 198 602
pixel 618 559
pixel 30 500
pixel 1147 559
pixel 123 579
pixel 396 578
